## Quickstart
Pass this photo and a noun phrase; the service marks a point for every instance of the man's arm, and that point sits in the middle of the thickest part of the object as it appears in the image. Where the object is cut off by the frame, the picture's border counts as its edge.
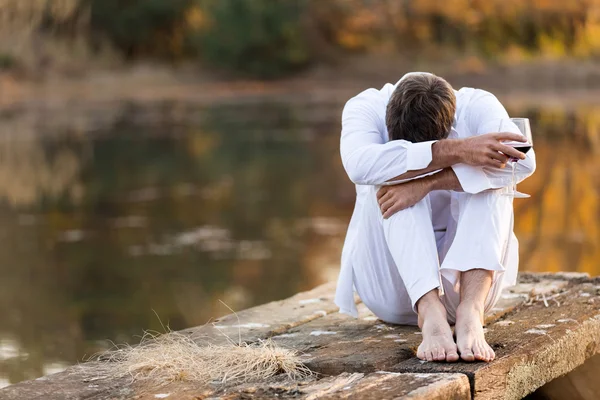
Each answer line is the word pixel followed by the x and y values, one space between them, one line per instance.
pixel 367 157
pixel 395 198
pixel 484 114
pixel 480 151
pixel 369 160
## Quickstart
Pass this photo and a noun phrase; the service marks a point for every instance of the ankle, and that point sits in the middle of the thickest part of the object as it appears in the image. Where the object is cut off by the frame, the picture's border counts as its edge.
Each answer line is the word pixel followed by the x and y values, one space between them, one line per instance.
pixel 430 307
pixel 429 301
pixel 469 307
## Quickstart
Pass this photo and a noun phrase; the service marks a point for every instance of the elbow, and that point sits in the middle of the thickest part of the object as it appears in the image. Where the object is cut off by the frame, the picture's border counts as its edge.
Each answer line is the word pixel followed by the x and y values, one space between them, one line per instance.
pixel 356 176
pixel 355 171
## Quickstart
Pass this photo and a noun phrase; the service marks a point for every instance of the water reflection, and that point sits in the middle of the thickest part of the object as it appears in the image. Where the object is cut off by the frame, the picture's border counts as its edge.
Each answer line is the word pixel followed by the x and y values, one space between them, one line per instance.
pixel 170 208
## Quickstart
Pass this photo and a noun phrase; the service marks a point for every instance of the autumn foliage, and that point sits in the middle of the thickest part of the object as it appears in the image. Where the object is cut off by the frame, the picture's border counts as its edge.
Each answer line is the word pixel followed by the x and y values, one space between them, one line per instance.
pixel 274 37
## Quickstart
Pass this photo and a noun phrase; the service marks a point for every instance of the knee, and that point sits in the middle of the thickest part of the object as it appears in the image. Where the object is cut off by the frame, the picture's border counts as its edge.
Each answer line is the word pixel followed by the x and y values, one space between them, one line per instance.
pixel 421 211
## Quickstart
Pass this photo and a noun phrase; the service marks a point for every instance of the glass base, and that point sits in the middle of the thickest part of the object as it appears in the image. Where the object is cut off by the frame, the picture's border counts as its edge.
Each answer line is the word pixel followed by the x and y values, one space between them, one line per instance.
pixel 517 195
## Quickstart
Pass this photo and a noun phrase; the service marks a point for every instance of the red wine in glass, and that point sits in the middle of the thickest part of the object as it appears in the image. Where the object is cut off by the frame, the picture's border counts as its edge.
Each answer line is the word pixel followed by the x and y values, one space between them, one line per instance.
pixel 525 129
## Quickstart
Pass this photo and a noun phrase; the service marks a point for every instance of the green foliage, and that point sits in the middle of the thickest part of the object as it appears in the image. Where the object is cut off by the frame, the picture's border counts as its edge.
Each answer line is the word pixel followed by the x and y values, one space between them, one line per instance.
pixel 272 38
pixel 7 61
pixel 260 37
pixel 138 26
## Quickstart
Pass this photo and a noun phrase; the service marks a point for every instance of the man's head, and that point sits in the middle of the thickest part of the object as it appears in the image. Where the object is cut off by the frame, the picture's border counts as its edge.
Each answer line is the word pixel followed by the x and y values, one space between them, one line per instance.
pixel 421 108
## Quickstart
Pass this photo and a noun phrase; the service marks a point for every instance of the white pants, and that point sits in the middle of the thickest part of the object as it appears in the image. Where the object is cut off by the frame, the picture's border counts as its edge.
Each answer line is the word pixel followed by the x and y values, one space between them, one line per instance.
pixel 429 245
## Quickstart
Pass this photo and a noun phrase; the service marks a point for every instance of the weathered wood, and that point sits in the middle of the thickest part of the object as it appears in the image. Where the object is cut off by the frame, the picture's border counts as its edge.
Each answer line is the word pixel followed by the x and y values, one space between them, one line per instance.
pixel 530 286
pixel 248 325
pixel 339 343
pixel 388 385
pixel 269 319
pixel 380 385
pixel 68 385
pixel 580 384
pixel 533 327
pixel 533 345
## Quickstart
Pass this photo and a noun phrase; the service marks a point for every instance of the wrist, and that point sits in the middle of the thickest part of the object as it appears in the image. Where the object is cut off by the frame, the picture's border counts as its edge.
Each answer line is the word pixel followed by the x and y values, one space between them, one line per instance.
pixel 456 151
pixel 429 183
pixel 446 179
pixel 451 149
pixel 432 182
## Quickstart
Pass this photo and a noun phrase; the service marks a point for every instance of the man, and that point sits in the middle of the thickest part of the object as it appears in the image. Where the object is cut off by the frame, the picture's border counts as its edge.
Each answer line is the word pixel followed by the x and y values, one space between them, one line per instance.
pixel 436 247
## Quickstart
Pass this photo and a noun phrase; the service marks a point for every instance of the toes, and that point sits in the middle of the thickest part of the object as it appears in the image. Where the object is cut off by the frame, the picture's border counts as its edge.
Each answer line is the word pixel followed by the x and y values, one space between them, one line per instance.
pixel 429 355
pixel 420 354
pixel 467 355
pixel 483 352
pixel 488 353
pixel 488 356
pixel 451 353
pixel 452 356
pixel 441 354
pixel 479 353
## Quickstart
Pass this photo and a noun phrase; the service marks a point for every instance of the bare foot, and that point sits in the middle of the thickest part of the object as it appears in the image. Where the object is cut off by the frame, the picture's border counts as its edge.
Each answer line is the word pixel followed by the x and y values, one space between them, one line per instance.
pixel 437 344
pixel 469 334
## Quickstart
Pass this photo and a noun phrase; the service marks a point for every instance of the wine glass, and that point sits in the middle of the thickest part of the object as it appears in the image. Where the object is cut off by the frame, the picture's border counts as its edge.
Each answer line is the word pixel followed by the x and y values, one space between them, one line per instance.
pixel 523 125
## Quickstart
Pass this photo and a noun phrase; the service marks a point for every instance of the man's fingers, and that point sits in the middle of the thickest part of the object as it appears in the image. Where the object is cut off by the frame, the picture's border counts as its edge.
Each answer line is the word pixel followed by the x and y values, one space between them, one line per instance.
pixel 381 192
pixel 510 151
pixel 392 210
pixel 506 136
pixel 386 205
pixel 496 164
pixel 384 198
pixel 502 158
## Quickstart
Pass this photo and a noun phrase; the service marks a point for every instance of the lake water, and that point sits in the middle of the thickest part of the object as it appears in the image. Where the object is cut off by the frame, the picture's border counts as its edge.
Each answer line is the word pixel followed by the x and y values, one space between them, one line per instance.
pixel 108 222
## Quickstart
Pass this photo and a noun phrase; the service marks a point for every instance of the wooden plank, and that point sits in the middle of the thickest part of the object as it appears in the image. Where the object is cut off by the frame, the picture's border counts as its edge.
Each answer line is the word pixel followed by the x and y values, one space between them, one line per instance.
pixel 339 343
pixel 580 384
pixel 334 344
pixel 255 323
pixel 530 286
pixel 67 385
pixel 533 345
pixel 379 385
pixel 269 319
pixel 387 385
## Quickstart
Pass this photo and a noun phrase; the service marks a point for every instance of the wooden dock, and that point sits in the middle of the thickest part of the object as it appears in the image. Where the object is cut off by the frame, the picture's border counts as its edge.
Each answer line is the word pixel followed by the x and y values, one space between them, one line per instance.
pixel 543 328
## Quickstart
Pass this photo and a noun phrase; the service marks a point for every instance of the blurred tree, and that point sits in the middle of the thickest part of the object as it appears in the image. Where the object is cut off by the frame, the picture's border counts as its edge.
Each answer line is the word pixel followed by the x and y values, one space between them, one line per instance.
pixel 264 38
pixel 139 26
pixel 271 38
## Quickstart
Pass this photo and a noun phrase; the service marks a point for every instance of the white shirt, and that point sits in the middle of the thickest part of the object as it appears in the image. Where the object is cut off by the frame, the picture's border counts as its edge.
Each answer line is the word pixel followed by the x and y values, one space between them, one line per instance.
pixel 369 158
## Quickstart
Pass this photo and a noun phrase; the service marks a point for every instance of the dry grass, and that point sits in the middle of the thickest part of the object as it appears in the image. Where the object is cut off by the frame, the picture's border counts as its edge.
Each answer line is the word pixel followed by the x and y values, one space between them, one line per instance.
pixel 172 357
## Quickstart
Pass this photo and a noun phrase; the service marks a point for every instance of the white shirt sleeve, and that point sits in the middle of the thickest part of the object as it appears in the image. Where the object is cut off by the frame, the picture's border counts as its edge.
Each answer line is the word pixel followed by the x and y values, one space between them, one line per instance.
pixel 484 115
pixel 367 156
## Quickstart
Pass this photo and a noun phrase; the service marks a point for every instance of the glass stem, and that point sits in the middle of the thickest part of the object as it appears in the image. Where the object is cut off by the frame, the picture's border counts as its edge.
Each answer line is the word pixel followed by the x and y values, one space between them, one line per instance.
pixel 514 184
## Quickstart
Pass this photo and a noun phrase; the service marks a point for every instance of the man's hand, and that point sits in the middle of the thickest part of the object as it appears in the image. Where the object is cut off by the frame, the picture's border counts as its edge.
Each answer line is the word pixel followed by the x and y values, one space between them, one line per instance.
pixel 488 151
pixel 395 198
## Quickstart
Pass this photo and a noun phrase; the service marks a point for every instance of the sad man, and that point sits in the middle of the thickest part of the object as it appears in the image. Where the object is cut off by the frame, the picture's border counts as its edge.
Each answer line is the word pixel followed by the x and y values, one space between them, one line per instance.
pixel 431 238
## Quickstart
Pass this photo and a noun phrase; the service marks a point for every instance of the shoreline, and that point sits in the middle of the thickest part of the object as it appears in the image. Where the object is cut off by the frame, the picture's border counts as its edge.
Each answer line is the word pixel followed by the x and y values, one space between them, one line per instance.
pixel 545 85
